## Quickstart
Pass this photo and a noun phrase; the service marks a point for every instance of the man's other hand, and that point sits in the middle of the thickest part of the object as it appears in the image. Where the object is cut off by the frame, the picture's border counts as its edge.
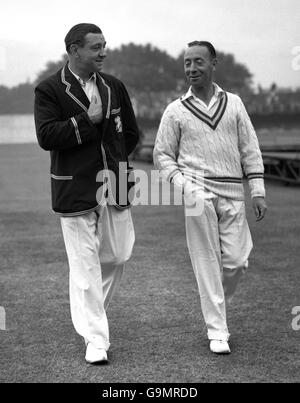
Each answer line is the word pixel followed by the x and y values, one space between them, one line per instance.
pixel 260 207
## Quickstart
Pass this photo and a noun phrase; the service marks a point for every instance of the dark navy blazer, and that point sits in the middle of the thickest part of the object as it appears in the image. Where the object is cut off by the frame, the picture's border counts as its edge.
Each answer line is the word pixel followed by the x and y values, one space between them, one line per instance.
pixel 80 149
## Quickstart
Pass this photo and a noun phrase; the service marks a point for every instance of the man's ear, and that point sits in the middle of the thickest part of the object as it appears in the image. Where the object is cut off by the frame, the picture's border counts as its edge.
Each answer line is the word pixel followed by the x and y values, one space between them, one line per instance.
pixel 214 63
pixel 73 49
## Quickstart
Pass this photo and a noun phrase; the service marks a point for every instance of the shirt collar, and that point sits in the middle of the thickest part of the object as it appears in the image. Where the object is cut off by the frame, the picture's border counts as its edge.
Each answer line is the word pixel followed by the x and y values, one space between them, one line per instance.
pixel 217 92
pixel 81 81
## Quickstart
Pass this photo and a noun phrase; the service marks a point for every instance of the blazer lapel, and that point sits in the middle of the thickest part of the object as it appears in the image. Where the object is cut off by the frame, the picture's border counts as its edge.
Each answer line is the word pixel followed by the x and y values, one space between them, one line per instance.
pixel 74 89
pixel 105 94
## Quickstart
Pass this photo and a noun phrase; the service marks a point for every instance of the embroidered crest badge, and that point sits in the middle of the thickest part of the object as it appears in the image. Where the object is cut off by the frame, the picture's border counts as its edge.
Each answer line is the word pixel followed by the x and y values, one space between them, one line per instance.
pixel 118 123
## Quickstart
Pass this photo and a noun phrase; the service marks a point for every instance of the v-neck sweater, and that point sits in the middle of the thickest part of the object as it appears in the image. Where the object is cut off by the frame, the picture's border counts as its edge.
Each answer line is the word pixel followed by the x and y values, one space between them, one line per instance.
pixel 217 144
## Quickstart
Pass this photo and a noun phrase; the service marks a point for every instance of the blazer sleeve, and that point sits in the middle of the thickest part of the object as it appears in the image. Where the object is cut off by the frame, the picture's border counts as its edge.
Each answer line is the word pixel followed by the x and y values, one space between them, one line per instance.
pixel 130 127
pixel 54 132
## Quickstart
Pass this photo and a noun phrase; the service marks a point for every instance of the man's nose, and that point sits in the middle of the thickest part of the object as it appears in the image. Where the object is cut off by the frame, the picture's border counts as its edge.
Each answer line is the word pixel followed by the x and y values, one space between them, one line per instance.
pixel 193 67
pixel 102 53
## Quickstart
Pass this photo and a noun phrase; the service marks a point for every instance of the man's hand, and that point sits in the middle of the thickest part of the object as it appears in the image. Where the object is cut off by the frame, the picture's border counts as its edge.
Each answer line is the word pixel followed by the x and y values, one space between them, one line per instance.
pixel 260 207
pixel 95 111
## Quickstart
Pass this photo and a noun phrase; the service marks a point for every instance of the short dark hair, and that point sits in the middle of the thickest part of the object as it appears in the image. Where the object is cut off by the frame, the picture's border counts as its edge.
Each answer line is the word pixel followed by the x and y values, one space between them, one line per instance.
pixel 207 45
pixel 78 32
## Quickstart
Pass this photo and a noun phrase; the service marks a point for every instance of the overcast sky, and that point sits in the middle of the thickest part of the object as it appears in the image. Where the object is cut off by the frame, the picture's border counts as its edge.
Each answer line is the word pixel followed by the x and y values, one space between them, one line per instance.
pixel 260 33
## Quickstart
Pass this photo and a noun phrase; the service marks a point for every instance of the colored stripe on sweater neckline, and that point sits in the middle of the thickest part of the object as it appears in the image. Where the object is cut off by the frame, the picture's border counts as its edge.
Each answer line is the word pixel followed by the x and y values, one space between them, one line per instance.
pixel 211 121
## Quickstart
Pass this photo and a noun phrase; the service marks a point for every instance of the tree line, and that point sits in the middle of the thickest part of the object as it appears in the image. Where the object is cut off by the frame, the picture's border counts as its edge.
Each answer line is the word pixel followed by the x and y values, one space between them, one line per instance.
pixel 142 68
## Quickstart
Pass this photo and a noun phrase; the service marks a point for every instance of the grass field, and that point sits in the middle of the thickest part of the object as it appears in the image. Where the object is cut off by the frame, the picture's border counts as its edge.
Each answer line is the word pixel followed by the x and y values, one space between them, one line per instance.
pixel 157 331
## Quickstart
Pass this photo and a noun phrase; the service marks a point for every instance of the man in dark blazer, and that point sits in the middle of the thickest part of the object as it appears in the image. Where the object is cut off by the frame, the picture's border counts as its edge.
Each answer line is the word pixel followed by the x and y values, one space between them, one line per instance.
pixel 85 119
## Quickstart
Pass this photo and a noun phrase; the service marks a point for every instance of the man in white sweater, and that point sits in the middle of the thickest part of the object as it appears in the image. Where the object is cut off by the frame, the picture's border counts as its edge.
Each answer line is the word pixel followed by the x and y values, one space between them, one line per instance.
pixel 208 130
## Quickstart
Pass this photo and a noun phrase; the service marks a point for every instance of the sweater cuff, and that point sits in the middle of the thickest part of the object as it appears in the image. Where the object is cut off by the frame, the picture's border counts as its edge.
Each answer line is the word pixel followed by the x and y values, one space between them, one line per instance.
pixel 257 187
pixel 178 179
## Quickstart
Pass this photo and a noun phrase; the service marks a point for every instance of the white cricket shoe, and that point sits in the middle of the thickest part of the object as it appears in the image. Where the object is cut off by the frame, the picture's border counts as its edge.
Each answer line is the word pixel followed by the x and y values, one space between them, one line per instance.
pixel 219 347
pixel 95 355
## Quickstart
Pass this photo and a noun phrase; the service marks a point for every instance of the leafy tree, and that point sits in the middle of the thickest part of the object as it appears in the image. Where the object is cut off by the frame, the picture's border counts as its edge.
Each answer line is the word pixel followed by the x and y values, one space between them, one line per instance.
pixel 233 76
pixel 143 67
pixel 51 68
pixel 18 99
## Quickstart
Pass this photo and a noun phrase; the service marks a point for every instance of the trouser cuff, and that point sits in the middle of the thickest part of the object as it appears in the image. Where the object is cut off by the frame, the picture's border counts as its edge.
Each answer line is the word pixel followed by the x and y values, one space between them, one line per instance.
pixel 213 335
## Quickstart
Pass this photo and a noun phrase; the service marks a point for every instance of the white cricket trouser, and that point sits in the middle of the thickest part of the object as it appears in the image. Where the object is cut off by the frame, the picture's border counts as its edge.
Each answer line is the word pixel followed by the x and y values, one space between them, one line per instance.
pixel 219 243
pixel 98 244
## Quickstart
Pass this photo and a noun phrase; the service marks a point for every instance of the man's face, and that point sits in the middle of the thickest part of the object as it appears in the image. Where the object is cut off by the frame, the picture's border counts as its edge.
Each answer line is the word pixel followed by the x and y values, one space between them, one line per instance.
pixel 199 66
pixel 90 57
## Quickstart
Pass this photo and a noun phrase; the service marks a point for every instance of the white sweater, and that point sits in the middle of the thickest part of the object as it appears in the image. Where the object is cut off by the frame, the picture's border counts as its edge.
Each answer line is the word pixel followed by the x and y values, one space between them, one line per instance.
pixel 218 141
